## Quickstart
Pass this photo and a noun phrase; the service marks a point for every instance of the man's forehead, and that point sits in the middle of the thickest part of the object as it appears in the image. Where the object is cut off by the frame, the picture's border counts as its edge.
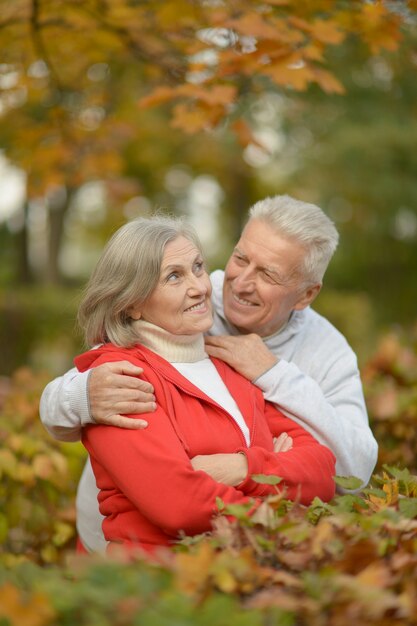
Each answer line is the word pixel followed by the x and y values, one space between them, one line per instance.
pixel 267 247
pixel 262 240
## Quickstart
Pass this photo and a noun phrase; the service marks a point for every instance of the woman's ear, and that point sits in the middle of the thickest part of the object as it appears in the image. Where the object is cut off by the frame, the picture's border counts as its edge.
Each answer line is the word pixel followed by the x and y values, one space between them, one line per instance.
pixel 135 313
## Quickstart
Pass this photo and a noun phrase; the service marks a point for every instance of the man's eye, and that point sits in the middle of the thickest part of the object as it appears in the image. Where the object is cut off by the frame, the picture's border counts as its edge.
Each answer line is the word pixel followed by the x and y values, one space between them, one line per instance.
pixel 240 259
pixel 269 278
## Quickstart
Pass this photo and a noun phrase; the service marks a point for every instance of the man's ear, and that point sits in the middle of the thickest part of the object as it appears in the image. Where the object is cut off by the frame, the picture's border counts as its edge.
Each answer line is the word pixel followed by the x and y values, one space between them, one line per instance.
pixel 307 296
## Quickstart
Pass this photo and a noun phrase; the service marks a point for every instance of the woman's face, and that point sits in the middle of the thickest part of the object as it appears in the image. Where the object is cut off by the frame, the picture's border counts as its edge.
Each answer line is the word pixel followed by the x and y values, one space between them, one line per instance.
pixel 180 303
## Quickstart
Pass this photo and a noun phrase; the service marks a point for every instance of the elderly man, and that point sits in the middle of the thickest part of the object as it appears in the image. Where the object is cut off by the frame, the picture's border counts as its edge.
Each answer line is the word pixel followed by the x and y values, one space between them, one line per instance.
pixel 265 329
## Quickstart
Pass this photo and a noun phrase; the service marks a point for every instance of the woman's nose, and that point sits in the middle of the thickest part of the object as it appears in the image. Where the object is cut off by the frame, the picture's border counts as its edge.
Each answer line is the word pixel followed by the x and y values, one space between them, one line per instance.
pixel 198 284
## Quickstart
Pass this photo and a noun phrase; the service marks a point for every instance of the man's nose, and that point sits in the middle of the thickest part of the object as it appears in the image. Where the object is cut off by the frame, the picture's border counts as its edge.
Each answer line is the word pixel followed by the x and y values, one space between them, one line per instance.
pixel 245 279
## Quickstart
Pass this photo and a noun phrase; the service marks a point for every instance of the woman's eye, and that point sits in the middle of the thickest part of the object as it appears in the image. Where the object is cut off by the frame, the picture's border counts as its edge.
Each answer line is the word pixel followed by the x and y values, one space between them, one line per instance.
pixel 198 266
pixel 171 277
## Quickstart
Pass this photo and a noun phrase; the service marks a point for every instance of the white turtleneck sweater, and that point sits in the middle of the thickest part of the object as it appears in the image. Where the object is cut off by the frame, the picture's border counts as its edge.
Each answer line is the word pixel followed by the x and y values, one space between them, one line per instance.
pixel 187 354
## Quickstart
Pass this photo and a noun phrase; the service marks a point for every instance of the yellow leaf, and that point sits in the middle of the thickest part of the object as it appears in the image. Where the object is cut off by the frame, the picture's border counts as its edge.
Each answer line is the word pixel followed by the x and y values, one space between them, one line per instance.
pixel 296 77
pixel 243 132
pixel 24 610
pixel 218 95
pixel 159 95
pixel 380 27
pixel 391 488
pixel 322 536
pixel 326 32
pixel 194 118
pixel 43 466
pixel 252 24
pixel 8 462
pixel 376 574
pixel 193 569
pixel 328 82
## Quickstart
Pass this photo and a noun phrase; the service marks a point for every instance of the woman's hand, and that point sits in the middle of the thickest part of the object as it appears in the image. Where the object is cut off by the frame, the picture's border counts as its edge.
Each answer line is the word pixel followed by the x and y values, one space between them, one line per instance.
pixel 232 469
pixel 228 469
pixel 283 443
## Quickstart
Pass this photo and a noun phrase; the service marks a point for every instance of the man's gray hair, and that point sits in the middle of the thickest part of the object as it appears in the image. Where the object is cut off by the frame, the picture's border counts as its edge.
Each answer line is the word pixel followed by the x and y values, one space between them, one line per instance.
pixel 304 223
pixel 126 275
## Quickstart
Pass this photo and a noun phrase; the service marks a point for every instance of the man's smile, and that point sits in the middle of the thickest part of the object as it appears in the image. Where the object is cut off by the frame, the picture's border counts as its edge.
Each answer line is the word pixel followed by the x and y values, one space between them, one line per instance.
pixel 242 301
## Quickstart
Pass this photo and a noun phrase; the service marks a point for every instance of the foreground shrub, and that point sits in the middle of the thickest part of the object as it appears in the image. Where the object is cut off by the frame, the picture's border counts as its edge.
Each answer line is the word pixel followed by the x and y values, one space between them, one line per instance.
pixel 38 477
pixel 354 559
pixel 351 560
pixel 390 380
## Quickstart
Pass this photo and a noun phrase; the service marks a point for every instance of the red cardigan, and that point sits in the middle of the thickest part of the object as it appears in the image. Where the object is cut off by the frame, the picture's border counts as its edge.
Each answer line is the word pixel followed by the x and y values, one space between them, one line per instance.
pixel 149 491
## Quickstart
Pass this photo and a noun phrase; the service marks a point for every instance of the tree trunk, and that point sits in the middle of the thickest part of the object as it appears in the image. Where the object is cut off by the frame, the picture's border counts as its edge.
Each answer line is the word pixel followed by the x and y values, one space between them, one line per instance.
pixel 58 204
pixel 241 198
pixel 23 271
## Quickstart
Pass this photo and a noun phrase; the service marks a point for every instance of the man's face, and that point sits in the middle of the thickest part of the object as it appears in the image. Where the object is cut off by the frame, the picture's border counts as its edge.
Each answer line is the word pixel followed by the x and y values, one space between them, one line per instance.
pixel 263 281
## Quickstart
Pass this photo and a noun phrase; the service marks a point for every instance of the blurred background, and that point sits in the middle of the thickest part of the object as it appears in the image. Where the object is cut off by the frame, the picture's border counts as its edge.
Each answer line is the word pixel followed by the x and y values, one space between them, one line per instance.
pixel 79 156
pixel 111 109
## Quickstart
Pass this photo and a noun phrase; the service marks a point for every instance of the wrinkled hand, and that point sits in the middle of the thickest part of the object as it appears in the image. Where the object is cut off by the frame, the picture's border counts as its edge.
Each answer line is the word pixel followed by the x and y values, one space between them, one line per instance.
pixel 228 469
pixel 247 354
pixel 114 390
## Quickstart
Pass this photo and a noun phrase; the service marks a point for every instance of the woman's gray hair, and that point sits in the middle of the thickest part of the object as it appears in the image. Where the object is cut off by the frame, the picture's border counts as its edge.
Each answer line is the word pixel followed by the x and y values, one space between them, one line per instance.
pixel 304 223
pixel 125 275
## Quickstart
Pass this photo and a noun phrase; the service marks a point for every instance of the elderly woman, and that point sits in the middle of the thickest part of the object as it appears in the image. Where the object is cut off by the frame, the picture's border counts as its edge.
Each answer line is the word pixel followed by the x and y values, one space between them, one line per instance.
pixel 148 302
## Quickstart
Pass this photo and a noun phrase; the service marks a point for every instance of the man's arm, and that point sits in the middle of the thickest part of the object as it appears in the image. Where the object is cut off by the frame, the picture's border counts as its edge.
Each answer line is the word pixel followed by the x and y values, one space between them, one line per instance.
pixel 333 410
pixel 102 395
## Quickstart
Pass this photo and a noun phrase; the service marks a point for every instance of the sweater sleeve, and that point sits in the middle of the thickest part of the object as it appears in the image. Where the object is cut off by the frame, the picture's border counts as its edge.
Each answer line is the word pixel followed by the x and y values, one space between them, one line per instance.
pixel 152 470
pixel 333 410
pixel 307 470
pixel 64 406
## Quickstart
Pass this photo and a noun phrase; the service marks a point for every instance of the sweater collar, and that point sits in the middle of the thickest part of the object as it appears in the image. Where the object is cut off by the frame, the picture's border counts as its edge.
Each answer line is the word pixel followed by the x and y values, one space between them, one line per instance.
pixel 173 348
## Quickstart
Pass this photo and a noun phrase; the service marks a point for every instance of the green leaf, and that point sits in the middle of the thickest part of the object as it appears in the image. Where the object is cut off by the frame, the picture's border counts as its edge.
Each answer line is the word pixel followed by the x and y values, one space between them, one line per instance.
pixel 408 507
pixel 263 479
pixel 240 511
pixel 219 504
pixel 348 482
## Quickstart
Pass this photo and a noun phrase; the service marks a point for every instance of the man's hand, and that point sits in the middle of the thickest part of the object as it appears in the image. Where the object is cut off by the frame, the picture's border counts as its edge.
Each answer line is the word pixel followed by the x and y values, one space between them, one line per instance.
pixel 114 390
pixel 247 354
pixel 228 469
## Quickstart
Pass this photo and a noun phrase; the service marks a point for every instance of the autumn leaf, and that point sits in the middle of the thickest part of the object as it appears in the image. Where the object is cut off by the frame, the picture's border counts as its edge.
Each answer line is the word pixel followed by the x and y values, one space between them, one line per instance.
pixel 25 609
pixel 328 82
pixel 380 28
pixel 193 570
pixel 252 24
pixel 326 31
pixel 263 479
pixel 295 76
pixel 160 95
pixel 376 574
pixel 348 482
pixel 408 507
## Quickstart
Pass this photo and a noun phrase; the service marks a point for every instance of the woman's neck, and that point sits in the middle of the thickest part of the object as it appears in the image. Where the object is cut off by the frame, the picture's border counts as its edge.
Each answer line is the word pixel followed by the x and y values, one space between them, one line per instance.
pixel 173 348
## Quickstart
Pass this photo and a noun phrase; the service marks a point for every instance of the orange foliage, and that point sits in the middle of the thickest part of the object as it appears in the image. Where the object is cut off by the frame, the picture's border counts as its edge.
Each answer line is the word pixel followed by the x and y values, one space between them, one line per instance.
pixel 64 125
